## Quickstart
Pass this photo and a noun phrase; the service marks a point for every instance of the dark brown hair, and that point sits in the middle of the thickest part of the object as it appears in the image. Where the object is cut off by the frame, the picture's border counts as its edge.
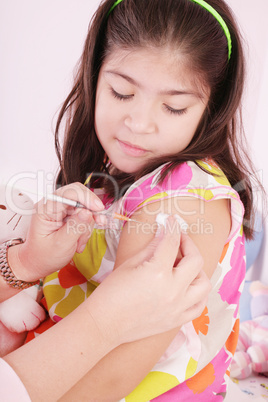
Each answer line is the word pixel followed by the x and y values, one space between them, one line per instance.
pixel 194 32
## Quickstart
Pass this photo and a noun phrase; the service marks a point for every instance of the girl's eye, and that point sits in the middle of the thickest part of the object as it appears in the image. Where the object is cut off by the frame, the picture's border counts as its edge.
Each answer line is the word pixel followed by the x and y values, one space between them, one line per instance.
pixel 121 97
pixel 175 111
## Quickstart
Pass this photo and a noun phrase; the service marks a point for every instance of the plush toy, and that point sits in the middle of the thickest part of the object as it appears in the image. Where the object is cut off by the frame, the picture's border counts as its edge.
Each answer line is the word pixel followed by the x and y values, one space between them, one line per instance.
pixel 252 349
pixel 21 312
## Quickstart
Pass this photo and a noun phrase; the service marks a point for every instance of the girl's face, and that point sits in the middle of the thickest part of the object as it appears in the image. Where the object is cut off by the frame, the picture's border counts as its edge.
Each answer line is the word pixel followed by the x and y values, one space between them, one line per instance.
pixel 148 104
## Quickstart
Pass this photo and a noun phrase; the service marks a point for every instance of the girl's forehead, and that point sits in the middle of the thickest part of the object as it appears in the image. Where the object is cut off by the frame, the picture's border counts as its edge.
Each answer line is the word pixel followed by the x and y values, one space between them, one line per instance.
pixel 160 65
pixel 145 56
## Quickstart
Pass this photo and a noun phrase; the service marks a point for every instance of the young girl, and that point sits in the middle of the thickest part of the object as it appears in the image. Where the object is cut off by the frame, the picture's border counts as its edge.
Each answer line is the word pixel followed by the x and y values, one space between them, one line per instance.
pixel 151 127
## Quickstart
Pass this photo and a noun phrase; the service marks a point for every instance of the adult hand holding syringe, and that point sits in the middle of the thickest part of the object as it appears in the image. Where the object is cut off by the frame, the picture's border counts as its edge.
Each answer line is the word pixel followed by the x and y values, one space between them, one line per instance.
pixel 50 243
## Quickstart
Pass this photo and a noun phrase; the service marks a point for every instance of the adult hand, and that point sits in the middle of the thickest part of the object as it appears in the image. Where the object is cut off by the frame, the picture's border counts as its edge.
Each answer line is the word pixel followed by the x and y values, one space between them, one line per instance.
pixel 144 296
pixel 56 232
pixel 152 293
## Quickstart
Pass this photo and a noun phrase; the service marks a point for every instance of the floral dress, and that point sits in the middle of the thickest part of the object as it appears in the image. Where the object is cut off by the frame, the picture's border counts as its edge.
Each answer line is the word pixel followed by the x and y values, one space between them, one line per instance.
pixel 195 367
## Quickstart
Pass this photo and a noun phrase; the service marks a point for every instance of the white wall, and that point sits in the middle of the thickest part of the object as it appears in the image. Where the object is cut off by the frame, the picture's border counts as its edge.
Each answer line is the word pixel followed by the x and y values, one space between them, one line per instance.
pixel 40 43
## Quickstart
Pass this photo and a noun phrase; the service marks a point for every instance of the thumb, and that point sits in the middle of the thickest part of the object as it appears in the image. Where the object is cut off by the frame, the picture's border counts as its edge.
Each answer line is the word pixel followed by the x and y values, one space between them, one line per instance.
pixel 191 262
pixel 167 250
pixel 147 253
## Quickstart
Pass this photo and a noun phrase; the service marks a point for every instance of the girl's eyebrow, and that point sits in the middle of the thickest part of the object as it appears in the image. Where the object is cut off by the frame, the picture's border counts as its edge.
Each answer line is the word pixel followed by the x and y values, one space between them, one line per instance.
pixel 171 92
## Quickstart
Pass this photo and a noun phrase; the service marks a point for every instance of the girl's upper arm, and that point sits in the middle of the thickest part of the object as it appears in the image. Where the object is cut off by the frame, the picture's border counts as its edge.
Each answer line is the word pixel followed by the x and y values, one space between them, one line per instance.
pixel 209 226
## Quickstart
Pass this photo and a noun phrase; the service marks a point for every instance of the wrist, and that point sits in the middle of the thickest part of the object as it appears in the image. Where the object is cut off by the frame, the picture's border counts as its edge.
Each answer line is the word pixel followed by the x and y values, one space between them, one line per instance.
pixel 103 322
pixel 17 261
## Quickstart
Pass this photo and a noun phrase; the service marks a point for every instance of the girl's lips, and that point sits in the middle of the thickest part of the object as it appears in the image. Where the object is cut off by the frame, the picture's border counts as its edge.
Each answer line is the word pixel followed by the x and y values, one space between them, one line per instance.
pixel 131 150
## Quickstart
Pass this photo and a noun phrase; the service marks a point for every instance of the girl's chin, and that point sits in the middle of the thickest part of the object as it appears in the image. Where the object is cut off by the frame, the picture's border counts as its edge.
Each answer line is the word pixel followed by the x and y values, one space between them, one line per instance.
pixel 126 167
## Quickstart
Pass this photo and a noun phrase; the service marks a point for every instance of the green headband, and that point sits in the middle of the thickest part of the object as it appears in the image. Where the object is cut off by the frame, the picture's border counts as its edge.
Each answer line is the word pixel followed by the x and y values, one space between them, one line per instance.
pixel 212 11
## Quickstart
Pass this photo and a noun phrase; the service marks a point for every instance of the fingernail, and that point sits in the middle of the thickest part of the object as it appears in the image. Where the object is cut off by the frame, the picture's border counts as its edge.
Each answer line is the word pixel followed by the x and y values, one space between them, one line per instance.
pixel 183 225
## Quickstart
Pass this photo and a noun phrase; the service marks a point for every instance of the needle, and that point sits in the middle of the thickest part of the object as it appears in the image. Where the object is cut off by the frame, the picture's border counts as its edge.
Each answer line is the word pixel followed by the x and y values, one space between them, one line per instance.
pixel 77 204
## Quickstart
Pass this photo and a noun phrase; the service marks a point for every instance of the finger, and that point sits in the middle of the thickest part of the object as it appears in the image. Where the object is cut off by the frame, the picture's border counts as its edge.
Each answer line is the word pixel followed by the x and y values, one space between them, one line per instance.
pixel 201 283
pixel 167 250
pixel 52 211
pixel 100 219
pixel 149 251
pixel 162 250
pixel 76 230
pixel 199 289
pixel 192 262
pixel 79 192
pixel 57 211
pixel 188 246
pixel 86 232
pixel 195 310
pixel 144 255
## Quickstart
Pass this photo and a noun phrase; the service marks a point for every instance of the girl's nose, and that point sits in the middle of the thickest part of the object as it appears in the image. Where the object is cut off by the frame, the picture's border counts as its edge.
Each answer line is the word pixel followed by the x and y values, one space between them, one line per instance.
pixel 141 121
